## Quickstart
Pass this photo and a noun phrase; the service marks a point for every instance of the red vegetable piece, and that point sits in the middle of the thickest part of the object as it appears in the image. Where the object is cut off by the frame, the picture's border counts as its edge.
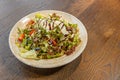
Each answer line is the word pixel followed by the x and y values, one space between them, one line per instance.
pixel 30 22
pixel 53 42
pixel 32 31
pixel 21 37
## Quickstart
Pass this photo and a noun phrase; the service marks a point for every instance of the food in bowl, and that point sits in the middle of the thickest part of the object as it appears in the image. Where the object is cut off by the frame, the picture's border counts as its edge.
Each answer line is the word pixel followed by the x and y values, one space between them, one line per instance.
pixel 47 37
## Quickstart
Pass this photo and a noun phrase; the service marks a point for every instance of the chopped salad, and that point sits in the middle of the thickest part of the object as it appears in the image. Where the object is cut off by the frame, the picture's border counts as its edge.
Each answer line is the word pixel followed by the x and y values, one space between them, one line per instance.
pixel 47 37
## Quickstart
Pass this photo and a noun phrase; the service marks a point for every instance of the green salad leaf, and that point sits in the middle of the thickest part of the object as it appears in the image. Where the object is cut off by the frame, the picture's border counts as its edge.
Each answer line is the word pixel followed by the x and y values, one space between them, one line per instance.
pixel 44 37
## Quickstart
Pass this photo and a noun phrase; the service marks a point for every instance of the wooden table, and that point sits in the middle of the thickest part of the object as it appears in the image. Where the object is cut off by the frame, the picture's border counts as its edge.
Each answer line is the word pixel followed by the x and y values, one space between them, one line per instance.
pixel 99 61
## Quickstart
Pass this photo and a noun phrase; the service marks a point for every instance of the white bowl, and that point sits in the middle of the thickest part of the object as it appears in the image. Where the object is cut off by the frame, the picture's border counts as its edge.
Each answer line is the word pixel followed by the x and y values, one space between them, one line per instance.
pixel 49 63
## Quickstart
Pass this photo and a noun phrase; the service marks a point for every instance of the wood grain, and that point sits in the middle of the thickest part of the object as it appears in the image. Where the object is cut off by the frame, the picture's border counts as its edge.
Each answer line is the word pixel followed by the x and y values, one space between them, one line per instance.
pixel 99 61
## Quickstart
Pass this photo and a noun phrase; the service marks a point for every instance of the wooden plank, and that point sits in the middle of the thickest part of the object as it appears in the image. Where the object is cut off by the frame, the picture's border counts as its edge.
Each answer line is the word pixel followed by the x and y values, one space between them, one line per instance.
pixel 99 61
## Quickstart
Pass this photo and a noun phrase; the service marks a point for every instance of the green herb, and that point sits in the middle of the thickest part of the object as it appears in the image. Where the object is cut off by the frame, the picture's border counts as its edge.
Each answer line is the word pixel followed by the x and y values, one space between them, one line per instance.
pixel 45 39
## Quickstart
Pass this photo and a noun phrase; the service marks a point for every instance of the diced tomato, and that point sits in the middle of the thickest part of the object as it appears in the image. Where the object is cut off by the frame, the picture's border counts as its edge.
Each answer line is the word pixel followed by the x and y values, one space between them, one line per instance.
pixel 21 37
pixel 53 42
pixel 32 31
pixel 30 22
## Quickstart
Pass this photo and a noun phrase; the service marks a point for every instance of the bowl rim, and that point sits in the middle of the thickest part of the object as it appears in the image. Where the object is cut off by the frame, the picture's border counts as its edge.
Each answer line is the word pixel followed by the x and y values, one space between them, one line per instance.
pixel 53 66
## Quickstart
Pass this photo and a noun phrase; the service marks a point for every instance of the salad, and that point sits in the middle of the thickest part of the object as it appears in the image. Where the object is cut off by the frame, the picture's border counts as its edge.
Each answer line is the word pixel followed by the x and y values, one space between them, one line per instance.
pixel 47 37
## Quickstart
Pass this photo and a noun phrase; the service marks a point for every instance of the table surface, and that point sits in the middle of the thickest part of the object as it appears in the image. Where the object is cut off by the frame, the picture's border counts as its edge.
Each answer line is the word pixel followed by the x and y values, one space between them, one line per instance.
pixel 99 61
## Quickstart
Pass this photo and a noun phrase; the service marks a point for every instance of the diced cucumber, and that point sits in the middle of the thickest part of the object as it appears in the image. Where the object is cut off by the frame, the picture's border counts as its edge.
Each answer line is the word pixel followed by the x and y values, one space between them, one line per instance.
pixel 22 50
pixel 29 54
pixel 38 15
pixel 49 56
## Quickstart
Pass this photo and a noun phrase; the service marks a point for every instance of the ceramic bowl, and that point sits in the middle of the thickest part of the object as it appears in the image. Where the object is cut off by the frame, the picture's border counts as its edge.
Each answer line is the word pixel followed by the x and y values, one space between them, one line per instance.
pixel 55 62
